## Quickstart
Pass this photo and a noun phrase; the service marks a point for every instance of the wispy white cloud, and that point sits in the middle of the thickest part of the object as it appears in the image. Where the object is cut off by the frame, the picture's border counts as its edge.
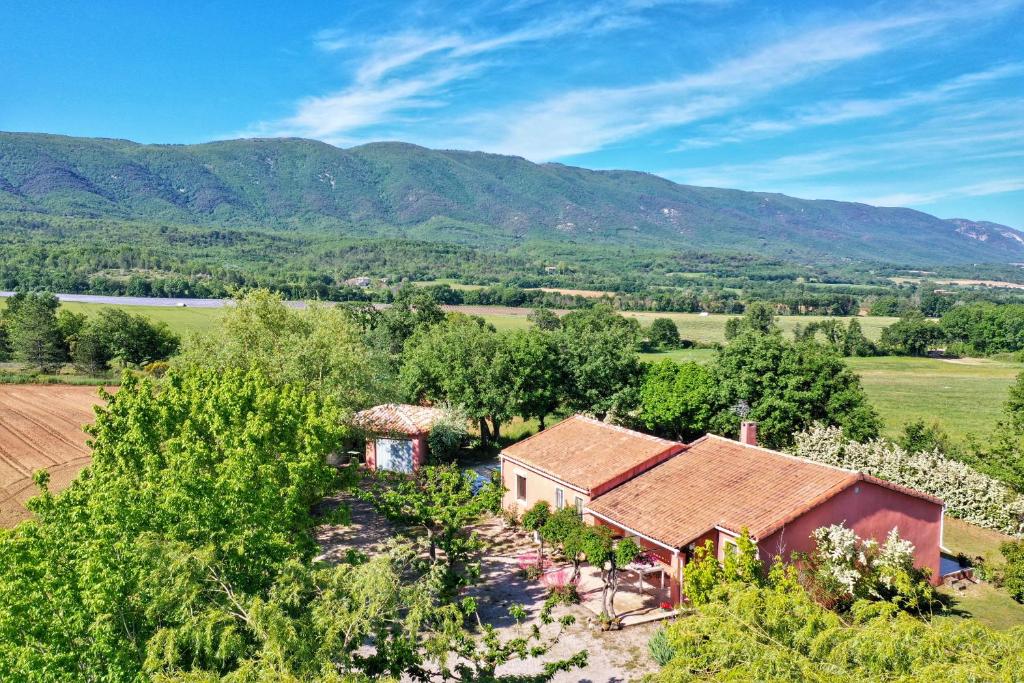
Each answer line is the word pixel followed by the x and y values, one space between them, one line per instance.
pixel 983 189
pixel 410 69
pixel 846 110
pixel 585 120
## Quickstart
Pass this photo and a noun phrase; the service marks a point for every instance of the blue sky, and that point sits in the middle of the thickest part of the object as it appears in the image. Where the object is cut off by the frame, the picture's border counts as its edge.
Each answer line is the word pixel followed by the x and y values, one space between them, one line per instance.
pixel 891 103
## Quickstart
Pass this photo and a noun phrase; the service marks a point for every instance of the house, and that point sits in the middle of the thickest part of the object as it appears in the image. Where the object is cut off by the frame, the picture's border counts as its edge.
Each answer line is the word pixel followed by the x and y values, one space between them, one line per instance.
pixel 575 461
pixel 396 435
pixel 712 489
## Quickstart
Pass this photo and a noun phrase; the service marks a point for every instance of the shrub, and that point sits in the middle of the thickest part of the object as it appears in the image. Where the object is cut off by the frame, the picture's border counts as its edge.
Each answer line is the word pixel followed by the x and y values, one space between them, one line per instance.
pixel 1013 572
pixel 967 493
pixel 448 435
pixel 661 649
pixel 844 568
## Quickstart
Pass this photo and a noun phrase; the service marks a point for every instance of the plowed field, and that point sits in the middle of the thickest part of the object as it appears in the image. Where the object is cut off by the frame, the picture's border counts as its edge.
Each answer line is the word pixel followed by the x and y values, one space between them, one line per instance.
pixel 41 428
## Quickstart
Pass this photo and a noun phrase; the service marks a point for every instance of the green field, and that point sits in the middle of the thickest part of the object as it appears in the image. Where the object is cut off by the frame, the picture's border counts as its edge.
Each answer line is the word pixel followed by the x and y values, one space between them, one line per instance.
pixel 181 320
pixel 711 328
pixel 964 396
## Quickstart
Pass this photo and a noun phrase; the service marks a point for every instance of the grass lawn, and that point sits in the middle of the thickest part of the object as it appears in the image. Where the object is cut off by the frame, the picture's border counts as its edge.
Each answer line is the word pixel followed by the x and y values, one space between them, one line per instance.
pixel 181 320
pixel 964 396
pixel 989 605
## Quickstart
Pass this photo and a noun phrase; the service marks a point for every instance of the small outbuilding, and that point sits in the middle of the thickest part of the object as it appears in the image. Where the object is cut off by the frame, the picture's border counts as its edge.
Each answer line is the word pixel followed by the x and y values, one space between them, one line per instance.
pixel 396 435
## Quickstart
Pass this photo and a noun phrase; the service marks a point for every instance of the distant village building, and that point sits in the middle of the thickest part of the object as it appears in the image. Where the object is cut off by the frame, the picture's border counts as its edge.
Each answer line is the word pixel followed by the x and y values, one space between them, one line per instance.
pixel 358 282
pixel 396 435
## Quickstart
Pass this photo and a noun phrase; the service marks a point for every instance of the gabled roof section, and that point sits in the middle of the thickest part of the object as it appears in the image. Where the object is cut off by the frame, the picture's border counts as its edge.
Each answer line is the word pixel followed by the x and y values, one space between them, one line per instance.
pixel 588 453
pixel 723 483
pixel 398 418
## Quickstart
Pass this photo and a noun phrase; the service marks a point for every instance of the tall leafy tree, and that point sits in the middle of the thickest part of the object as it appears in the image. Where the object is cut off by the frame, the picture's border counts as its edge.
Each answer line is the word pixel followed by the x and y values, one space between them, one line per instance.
pixel 912 335
pixel 527 365
pixel 34 335
pixel 663 333
pixel 220 465
pixel 319 349
pixel 599 353
pixel 677 400
pixel 454 362
pixel 115 334
pixel 786 387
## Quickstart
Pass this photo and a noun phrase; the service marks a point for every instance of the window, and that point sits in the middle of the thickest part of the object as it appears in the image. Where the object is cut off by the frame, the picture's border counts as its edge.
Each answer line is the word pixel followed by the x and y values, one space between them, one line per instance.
pixel 579 505
pixel 559 499
pixel 521 487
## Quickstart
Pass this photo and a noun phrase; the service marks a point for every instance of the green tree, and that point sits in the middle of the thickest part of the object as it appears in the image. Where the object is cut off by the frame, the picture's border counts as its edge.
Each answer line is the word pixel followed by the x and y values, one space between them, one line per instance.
pixel 855 343
pixel 448 435
pixel 453 362
pixel 222 465
pixel 677 400
pixel 439 500
pixel 759 317
pixel 663 333
pixel 609 555
pixel 777 633
pixel 534 520
pixel 544 319
pixel 599 354
pixel 566 529
pixel 319 349
pixel 912 335
pixel 34 336
pixel 116 335
pixel 888 306
pixel 788 387
pixel 527 366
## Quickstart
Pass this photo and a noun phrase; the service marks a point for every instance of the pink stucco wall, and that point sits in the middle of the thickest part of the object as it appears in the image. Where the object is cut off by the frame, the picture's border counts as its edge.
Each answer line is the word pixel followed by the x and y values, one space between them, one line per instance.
pixel 419 450
pixel 538 488
pixel 871 511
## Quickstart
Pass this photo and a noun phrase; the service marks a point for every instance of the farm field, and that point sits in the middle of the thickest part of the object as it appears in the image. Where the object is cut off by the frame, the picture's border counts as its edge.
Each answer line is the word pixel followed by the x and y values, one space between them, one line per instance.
pixel 181 320
pixel 40 428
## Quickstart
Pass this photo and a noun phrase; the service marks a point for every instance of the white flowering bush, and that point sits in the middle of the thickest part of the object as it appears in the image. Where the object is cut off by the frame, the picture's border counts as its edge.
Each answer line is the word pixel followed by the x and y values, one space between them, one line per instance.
pixel 844 568
pixel 968 494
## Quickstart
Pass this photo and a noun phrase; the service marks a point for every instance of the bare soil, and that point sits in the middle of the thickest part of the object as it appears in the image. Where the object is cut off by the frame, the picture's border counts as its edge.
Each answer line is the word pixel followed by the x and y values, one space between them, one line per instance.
pixel 41 428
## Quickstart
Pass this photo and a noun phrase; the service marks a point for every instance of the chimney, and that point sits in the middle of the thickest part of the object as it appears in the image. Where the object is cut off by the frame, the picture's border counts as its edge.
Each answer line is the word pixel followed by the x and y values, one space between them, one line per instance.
pixel 748 433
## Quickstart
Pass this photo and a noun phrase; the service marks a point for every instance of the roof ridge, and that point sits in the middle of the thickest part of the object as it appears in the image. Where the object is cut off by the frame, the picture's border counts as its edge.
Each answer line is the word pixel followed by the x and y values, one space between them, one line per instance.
pixel 546 430
pixel 620 428
pixel 781 454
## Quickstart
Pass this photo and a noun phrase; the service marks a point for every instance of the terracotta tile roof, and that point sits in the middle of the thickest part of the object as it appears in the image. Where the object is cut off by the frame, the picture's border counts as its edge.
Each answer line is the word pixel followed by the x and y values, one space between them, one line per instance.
pixel 398 418
pixel 588 453
pixel 724 483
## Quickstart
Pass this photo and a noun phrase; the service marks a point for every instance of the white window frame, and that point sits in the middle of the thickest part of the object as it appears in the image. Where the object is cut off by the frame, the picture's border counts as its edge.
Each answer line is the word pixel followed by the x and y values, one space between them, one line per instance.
pixel 578 503
pixel 559 499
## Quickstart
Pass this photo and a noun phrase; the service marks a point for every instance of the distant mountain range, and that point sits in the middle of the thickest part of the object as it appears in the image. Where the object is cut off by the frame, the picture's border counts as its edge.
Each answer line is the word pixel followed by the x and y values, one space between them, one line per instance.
pixel 392 188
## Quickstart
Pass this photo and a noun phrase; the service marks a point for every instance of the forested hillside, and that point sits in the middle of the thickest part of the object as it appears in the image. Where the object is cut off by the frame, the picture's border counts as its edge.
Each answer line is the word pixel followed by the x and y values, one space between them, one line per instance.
pixel 484 200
